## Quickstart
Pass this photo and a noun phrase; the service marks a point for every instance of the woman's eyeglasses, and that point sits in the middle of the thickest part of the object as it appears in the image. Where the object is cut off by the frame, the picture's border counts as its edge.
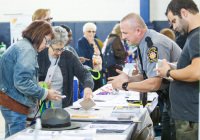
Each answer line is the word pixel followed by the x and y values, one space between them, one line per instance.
pixel 57 50
pixel 91 31
pixel 49 19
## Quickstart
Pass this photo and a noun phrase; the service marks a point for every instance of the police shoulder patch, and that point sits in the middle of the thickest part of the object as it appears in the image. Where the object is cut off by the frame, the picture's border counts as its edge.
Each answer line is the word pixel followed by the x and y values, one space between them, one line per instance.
pixel 153 54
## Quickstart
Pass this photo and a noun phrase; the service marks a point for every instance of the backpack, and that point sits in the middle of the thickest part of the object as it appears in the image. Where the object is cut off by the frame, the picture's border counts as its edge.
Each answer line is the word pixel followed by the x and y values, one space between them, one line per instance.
pixel 109 59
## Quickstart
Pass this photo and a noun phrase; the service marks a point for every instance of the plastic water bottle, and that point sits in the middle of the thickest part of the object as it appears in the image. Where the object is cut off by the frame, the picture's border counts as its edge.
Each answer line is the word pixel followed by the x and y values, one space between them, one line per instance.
pixel 2 49
pixel 38 126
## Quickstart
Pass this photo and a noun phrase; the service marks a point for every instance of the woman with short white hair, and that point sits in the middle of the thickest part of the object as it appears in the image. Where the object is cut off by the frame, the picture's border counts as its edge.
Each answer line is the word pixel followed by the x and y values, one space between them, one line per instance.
pixel 89 48
pixel 88 26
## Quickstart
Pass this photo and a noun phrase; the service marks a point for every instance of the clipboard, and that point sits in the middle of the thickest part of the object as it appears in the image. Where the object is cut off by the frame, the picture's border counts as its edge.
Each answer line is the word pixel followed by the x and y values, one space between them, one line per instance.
pixel 160 63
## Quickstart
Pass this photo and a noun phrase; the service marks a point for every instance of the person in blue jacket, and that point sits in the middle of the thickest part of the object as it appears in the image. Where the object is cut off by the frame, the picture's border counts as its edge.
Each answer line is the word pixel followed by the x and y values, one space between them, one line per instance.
pixel 87 47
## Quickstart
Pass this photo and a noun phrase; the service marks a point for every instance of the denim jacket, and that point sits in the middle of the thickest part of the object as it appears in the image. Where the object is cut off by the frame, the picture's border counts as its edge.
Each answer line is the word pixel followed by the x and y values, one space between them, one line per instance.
pixel 19 73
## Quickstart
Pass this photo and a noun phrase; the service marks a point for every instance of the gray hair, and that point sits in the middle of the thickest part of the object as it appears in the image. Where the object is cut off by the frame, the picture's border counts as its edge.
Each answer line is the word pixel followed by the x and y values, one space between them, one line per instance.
pixel 61 36
pixel 89 25
pixel 134 20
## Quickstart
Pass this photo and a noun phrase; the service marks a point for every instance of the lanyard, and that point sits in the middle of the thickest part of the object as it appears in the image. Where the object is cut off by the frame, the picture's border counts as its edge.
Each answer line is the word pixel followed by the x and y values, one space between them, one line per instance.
pixel 50 102
pixel 56 61
pixel 99 75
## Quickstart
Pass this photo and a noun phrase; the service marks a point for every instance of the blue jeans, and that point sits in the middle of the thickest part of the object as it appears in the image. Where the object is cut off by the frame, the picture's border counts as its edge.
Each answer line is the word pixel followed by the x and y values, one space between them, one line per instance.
pixel 14 122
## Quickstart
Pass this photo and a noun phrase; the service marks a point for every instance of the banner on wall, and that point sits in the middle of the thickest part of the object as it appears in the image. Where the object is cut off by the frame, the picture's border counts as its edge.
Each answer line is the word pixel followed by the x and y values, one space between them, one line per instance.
pixel 17 24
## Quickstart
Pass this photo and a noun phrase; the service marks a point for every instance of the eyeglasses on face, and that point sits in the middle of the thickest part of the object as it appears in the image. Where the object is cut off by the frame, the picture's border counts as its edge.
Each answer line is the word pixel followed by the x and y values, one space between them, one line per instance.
pixel 57 50
pixel 49 19
pixel 47 41
pixel 91 31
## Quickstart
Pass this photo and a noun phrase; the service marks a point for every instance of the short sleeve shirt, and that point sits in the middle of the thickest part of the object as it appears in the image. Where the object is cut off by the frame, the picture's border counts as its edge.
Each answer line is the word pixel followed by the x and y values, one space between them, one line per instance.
pixel 166 49
pixel 184 96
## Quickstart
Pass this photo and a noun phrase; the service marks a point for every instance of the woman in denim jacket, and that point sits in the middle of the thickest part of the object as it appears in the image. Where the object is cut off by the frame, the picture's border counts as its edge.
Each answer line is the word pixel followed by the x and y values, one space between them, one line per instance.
pixel 19 88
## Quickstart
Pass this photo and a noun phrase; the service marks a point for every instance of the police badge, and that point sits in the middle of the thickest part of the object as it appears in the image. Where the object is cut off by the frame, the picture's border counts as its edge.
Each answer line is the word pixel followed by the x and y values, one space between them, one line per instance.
pixel 153 50
pixel 153 54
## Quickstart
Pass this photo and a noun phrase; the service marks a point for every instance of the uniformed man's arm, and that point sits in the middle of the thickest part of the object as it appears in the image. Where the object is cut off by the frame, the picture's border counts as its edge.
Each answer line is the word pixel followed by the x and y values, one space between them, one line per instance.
pixel 151 84
pixel 148 85
pixel 189 73
pixel 136 78
pixel 125 78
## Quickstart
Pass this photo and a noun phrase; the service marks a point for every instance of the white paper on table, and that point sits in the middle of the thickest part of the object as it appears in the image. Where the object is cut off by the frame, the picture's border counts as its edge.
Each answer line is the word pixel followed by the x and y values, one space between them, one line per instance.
pixel 41 132
pixel 103 98
pixel 50 73
pixel 152 96
pixel 31 137
pixel 80 133
pixel 72 138
pixel 70 134
pixel 107 126
pixel 136 96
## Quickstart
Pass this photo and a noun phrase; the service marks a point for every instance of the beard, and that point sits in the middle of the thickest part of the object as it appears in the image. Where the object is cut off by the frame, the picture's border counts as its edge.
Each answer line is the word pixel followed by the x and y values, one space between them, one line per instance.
pixel 183 28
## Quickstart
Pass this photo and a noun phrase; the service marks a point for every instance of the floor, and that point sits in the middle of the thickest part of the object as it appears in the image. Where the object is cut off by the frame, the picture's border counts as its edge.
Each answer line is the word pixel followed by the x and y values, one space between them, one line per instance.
pixel 2 127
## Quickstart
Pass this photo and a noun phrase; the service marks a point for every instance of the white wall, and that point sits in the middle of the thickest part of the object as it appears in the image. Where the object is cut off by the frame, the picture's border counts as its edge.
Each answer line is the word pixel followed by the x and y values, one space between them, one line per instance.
pixel 158 9
pixel 84 10
pixel 72 10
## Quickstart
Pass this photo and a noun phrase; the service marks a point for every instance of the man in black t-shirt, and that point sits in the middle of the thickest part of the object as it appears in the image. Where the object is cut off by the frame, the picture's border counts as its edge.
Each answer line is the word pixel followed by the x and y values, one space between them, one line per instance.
pixel 184 90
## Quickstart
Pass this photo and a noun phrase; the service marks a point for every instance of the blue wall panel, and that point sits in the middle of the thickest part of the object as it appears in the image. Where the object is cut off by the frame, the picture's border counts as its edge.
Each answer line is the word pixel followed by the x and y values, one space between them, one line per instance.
pixel 144 10
pixel 150 25
pixel 78 31
pixel 5 33
pixel 104 29
pixel 159 25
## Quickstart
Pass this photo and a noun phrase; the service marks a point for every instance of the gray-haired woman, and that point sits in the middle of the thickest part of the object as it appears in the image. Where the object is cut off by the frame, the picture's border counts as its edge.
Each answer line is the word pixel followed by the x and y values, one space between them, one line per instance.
pixel 89 48
pixel 64 65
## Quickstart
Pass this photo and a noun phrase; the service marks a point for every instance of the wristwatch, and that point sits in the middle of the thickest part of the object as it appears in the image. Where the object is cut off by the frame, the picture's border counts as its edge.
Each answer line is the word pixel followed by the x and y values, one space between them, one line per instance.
pixel 124 86
pixel 168 73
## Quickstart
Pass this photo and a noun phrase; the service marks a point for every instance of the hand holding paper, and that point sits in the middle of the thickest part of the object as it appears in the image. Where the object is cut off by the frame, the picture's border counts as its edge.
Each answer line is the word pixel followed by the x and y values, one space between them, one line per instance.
pixel 87 94
pixel 163 67
pixel 87 104
pixel 160 64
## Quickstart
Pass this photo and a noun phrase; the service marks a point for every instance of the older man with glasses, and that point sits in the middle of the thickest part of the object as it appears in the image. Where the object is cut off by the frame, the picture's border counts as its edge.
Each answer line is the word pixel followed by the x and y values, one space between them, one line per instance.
pixel 64 65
